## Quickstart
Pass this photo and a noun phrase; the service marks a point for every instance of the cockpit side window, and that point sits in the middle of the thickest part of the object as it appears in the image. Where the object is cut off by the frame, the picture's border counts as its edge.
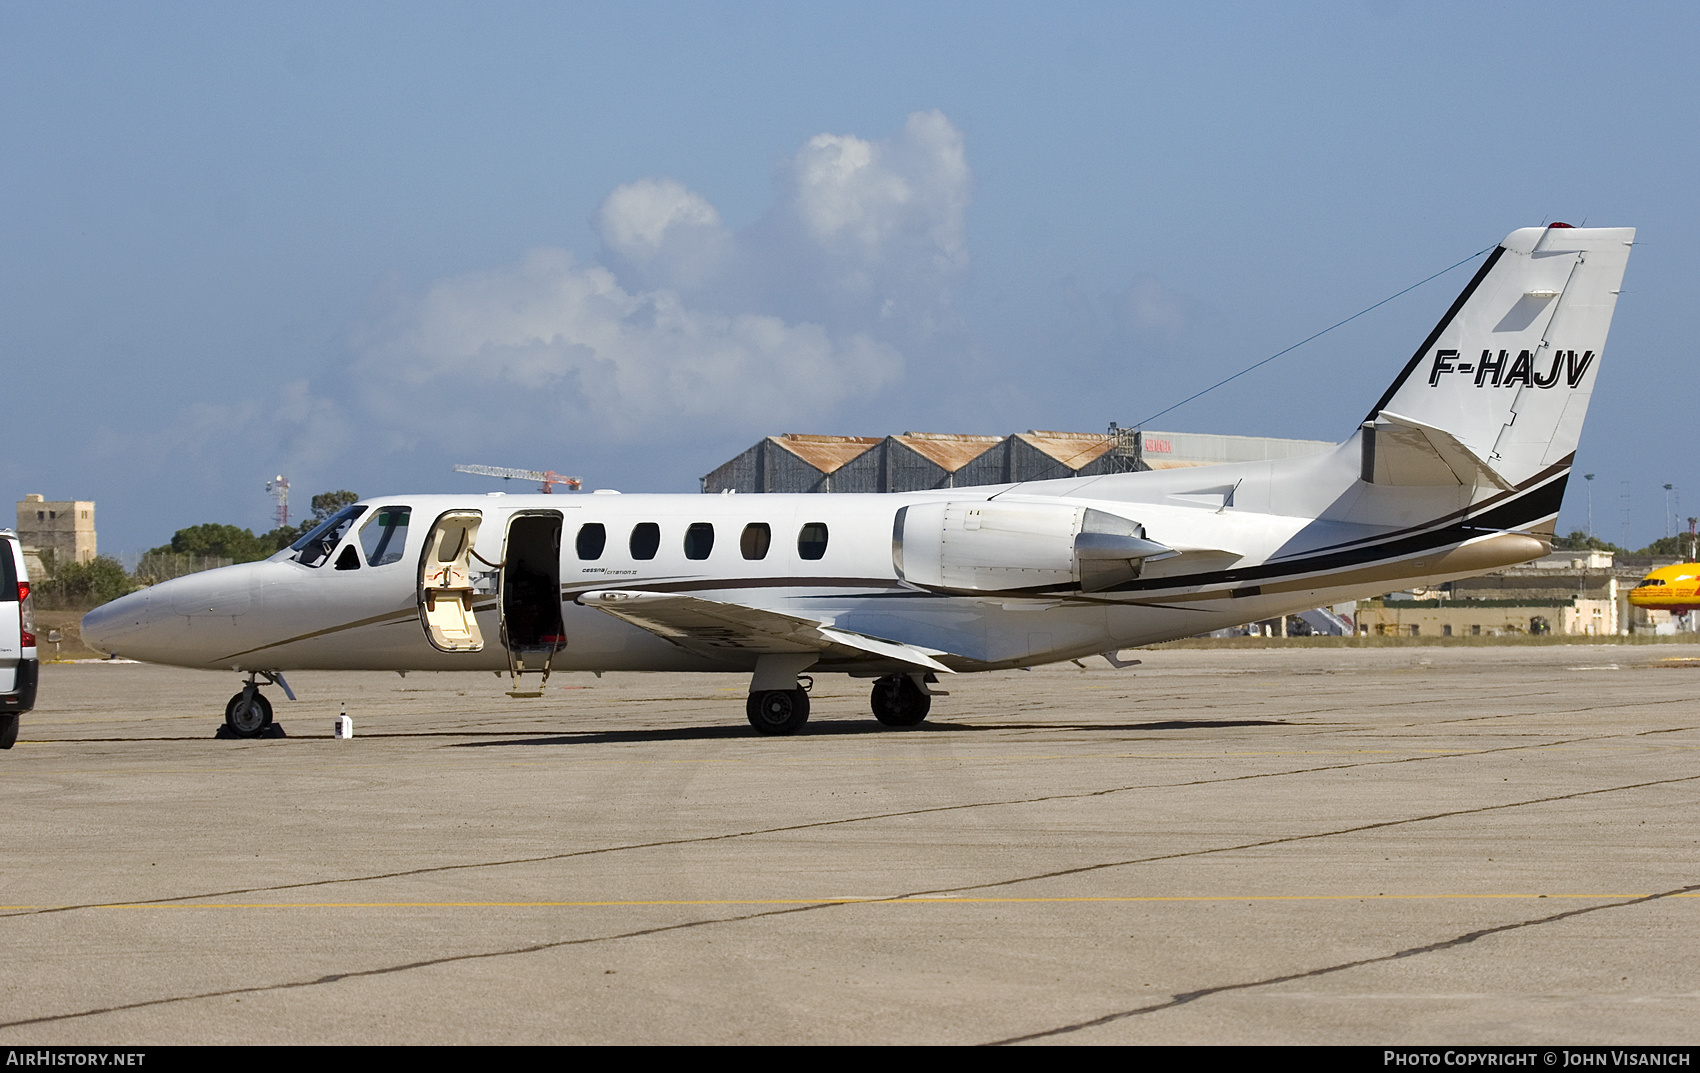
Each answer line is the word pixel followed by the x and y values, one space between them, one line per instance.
pixel 314 548
pixel 384 537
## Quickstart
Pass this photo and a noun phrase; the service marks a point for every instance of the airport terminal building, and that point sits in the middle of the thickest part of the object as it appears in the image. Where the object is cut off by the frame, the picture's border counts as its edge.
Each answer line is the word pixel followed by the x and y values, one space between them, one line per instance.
pixel 1580 593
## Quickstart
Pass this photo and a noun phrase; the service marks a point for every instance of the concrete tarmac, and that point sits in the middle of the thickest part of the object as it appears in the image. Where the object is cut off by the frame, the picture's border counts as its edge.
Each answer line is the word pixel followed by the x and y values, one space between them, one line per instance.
pixel 1364 846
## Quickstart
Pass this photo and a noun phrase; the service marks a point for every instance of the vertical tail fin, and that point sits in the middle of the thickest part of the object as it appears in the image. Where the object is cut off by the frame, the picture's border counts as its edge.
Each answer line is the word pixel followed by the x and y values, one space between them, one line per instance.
pixel 1498 391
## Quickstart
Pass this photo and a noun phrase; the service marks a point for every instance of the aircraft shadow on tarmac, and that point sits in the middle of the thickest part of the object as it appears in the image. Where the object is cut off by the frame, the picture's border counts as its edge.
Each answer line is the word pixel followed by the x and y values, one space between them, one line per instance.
pixel 626 737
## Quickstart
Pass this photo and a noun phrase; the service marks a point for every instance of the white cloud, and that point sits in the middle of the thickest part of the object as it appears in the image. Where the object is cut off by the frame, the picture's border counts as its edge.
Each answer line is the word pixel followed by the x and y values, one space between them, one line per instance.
pixel 664 234
pixel 636 217
pixel 685 326
pixel 550 342
pixel 872 232
pixel 879 200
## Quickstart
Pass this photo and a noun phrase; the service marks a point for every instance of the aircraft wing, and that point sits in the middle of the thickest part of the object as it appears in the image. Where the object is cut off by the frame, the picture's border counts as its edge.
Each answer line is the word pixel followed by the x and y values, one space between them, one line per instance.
pixel 716 627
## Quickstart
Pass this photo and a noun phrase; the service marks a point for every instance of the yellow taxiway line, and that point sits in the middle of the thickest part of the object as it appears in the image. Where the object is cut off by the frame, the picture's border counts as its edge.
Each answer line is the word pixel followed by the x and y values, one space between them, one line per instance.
pixel 923 899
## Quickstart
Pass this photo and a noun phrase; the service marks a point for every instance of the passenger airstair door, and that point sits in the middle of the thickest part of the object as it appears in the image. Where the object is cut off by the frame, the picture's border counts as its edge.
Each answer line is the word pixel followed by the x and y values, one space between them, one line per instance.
pixel 531 582
pixel 532 628
pixel 445 583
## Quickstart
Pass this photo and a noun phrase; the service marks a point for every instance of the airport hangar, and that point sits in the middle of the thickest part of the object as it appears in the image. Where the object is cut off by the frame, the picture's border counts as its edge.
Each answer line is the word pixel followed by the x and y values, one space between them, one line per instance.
pixel 1565 592
pixel 916 461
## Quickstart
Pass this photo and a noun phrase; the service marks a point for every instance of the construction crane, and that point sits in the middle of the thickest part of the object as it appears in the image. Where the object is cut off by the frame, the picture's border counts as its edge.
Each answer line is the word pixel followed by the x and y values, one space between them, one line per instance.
pixel 547 477
pixel 279 488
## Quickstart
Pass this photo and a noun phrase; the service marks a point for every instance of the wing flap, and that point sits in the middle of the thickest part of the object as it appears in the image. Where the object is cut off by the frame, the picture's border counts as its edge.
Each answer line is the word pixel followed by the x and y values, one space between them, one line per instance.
pixel 717 628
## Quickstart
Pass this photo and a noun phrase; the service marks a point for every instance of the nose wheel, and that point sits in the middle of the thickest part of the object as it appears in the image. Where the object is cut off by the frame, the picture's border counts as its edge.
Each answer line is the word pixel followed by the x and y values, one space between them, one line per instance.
pixel 249 714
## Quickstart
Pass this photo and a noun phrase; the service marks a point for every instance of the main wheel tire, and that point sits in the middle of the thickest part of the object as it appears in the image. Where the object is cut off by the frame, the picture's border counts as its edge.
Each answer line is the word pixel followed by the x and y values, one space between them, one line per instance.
pixel 9 729
pixel 248 717
pixel 898 702
pixel 778 711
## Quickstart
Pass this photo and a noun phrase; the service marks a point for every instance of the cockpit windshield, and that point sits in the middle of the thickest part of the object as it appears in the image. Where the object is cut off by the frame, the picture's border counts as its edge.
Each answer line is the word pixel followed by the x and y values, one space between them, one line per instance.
pixel 316 546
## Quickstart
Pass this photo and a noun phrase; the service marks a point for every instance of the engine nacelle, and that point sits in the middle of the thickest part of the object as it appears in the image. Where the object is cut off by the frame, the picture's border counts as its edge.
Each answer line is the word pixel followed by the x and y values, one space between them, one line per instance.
pixel 989 546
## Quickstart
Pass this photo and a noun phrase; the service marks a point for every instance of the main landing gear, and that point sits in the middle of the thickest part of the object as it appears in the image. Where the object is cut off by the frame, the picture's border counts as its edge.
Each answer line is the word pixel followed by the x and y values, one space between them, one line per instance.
pixel 249 714
pixel 778 711
pixel 899 701
pixel 779 696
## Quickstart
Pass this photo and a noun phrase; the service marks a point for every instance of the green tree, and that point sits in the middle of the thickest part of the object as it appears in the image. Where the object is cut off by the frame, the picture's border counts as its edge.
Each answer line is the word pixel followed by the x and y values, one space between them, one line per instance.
pixel 1682 544
pixel 326 504
pixel 284 535
pixel 1580 541
pixel 216 541
pixel 212 540
pixel 87 584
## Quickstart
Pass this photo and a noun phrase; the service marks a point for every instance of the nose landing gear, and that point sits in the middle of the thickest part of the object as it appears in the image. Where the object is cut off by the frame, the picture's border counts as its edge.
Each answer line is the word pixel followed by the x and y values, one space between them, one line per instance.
pixel 249 714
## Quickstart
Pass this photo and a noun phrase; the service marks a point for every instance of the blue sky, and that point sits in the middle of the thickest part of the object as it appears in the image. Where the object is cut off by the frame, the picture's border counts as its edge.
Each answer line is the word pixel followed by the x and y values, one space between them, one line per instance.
pixel 358 243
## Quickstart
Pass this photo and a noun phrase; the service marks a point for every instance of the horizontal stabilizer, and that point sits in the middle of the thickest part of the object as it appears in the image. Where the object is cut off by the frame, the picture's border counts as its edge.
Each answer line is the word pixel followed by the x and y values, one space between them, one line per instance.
pixel 1409 452
pixel 718 628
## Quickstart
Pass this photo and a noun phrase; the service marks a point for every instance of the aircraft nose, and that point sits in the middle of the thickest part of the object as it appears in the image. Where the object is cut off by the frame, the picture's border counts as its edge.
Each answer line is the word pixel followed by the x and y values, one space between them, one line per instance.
pixel 106 627
pixel 184 621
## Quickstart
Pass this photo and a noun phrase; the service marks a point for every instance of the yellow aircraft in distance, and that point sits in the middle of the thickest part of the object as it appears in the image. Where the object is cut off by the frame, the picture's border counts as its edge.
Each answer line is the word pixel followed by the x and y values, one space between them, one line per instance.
pixel 1669 588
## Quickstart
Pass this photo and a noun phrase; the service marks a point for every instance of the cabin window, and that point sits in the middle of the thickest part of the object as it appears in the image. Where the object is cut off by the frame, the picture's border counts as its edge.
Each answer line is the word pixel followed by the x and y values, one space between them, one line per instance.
pixel 811 540
pixel 384 538
pixel 646 540
pixel 699 540
pixel 314 548
pixel 592 538
pixel 754 543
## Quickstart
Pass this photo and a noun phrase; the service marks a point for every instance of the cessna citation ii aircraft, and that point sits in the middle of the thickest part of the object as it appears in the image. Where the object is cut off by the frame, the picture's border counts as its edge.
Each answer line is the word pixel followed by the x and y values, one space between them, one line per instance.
pixel 1458 469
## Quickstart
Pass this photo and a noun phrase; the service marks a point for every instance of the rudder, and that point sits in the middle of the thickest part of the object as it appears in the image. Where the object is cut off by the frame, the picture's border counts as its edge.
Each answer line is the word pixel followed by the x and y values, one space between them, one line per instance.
pixel 1497 393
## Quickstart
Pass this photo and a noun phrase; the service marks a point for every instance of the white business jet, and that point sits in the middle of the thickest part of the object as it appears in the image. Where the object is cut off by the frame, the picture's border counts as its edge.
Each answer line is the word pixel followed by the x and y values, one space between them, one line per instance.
pixel 1458 469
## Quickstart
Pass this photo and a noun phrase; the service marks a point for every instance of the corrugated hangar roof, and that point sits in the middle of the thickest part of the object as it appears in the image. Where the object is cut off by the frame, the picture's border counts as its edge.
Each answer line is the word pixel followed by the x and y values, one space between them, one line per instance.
pixel 825 453
pixel 1072 449
pixel 949 450
pixel 797 462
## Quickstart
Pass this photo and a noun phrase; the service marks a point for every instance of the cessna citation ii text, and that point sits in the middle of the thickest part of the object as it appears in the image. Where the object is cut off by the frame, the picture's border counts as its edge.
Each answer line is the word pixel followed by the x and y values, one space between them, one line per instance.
pixel 1458 469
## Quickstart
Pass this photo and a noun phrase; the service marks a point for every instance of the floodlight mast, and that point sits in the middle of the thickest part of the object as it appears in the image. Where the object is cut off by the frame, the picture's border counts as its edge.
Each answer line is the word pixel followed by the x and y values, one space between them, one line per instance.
pixel 548 478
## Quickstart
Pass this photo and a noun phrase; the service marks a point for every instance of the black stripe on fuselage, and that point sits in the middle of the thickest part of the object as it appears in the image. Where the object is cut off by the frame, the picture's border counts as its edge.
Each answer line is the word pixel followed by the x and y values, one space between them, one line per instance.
pixel 1539 502
pixel 1558 468
pixel 1530 505
pixel 1511 512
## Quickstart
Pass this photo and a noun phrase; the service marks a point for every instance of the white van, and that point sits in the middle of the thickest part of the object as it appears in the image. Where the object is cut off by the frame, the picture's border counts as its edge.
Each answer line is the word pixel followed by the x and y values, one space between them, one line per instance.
pixel 19 667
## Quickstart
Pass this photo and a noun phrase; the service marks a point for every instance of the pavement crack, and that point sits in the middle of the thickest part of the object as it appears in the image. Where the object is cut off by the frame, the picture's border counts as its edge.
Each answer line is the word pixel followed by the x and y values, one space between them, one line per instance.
pixel 1286 839
pixel 877 816
pixel 1176 1000
pixel 1185 997
pixel 390 970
